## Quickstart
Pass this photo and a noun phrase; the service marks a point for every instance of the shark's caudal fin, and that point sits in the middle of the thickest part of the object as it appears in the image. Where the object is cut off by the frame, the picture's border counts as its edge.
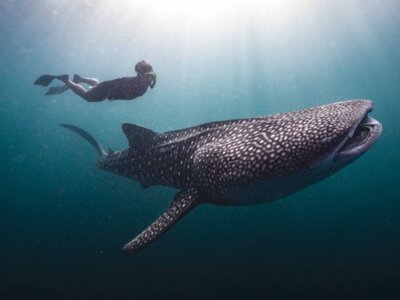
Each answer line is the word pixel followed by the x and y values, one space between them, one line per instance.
pixel 87 137
pixel 182 203
pixel 138 137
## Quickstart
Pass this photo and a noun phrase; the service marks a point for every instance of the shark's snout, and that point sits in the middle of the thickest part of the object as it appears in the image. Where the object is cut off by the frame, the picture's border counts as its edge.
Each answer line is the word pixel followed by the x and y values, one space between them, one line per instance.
pixel 362 135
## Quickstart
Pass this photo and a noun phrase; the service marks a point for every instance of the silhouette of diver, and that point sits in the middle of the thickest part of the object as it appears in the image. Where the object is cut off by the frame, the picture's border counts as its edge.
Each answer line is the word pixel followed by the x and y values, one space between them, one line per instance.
pixel 125 88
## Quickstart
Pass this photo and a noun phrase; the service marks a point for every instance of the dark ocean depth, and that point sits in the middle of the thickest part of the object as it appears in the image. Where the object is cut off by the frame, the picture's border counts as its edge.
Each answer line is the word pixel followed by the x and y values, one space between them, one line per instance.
pixel 63 221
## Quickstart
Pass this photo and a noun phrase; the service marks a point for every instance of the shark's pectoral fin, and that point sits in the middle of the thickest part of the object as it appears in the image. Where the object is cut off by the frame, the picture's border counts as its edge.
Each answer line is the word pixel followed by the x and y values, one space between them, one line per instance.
pixel 182 203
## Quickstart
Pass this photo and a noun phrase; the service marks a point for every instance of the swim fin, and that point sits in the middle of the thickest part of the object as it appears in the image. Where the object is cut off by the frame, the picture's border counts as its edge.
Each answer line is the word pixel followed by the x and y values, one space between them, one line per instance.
pixel 45 80
pixel 54 90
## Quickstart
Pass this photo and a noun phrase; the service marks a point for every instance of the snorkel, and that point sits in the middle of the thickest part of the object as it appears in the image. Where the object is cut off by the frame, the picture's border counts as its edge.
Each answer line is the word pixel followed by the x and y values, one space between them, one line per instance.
pixel 151 76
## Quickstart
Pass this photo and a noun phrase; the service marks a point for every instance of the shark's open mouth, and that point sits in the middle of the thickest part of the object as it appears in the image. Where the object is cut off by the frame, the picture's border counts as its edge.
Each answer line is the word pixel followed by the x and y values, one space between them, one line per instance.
pixel 360 139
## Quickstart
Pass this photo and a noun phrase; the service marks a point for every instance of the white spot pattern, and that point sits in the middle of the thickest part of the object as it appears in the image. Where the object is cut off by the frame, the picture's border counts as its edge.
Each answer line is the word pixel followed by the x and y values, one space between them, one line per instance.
pixel 217 155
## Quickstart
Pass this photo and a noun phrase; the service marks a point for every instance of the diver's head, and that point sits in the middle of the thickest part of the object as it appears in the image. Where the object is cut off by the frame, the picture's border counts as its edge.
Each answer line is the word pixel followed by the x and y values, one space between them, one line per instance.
pixel 144 70
pixel 142 67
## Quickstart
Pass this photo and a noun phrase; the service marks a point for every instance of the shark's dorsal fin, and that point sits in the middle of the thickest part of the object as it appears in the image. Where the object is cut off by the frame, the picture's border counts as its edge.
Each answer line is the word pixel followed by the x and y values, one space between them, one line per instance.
pixel 182 203
pixel 138 136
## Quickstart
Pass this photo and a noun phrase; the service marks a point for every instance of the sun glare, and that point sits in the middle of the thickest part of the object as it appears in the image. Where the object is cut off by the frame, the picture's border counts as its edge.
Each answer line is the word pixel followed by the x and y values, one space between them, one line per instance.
pixel 188 8
pixel 212 11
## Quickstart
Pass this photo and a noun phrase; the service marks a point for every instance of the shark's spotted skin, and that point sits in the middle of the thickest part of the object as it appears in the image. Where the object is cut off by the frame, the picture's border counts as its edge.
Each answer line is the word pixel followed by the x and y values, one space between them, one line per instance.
pixel 243 161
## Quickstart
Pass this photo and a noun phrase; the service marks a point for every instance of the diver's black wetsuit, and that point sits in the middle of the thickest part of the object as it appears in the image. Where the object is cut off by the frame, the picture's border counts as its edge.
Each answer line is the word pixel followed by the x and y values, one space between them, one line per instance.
pixel 125 88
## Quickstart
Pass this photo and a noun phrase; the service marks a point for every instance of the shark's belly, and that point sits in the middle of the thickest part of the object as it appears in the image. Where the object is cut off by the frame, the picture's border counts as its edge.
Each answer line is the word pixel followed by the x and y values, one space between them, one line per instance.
pixel 269 189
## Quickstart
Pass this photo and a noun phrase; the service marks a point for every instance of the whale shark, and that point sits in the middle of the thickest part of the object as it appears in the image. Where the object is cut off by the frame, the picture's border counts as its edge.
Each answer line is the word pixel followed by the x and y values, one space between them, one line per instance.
pixel 239 162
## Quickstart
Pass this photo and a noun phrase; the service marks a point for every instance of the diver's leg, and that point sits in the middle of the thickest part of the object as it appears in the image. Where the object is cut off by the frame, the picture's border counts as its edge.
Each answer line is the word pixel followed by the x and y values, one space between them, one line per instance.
pixel 55 90
pixel 76 88
pixel 90 96
pixel 89 81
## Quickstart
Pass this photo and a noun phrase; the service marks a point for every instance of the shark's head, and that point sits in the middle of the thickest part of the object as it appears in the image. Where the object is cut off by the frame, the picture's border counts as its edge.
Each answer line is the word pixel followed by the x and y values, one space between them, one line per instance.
pixel 358 131
pixel 300 148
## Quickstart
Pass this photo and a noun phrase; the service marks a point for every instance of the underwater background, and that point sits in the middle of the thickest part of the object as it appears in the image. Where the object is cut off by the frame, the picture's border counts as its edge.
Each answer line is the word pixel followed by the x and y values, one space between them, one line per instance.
pixel 63 221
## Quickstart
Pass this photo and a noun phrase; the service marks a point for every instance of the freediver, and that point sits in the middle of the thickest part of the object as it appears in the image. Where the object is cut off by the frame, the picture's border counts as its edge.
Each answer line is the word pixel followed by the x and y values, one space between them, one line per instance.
pixel 125 88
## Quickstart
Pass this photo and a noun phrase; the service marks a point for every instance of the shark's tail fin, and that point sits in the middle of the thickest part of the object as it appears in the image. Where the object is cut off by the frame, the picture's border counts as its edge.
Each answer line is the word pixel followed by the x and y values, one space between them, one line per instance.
pixel 87 137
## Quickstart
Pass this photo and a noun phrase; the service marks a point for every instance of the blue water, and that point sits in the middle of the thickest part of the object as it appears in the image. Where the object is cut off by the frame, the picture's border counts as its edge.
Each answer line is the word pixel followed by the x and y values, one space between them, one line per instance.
pixel 63 221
